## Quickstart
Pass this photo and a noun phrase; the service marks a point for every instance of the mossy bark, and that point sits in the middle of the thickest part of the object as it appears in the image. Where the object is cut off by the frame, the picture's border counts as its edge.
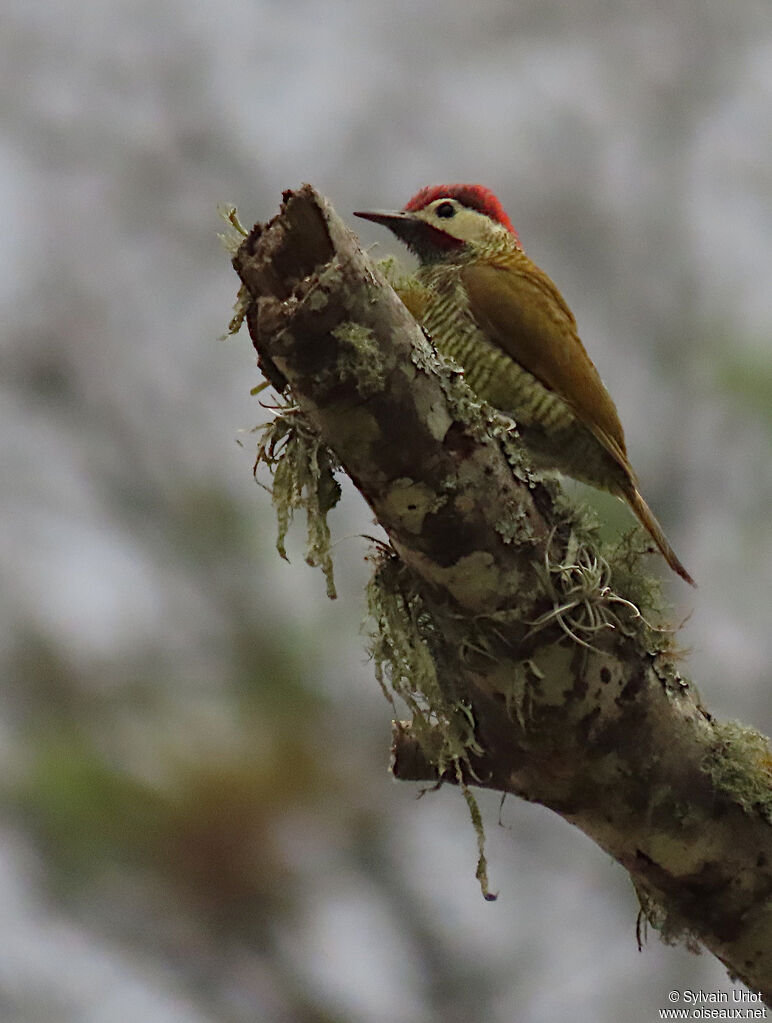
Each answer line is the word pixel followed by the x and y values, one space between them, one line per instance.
pixel 540 672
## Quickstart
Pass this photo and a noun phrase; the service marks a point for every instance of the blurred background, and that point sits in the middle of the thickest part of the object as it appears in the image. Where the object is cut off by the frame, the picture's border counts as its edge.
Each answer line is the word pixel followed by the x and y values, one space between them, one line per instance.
pixel 196 818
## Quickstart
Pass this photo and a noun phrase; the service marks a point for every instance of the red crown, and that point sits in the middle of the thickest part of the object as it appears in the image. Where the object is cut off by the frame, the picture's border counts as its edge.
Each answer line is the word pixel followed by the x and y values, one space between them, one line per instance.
pixel 475 197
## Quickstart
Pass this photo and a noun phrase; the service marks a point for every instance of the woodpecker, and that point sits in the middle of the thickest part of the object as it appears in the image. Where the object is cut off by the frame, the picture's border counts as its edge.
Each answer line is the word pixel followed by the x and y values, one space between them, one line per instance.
pixel 494 312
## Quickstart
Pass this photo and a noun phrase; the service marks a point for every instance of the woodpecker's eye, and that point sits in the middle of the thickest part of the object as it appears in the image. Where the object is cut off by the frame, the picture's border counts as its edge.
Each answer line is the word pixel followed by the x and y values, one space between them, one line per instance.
pixel 445 210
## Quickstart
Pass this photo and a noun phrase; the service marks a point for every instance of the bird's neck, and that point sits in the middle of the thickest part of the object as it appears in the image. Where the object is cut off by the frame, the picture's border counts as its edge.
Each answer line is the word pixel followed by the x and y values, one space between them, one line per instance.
pixel 497 246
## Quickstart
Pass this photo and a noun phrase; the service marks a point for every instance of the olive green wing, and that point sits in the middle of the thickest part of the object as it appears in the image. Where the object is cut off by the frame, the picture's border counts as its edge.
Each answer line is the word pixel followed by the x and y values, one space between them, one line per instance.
pixel 522 311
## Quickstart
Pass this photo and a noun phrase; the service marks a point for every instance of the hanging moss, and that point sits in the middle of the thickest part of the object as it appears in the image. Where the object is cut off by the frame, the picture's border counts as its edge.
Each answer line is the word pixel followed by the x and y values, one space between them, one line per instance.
pixel 672 928
pixel 303 471
pixel 403 649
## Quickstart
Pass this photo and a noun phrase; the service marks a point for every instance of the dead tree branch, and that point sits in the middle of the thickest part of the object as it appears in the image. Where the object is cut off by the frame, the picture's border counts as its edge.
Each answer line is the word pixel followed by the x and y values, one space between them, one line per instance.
pixel 542 675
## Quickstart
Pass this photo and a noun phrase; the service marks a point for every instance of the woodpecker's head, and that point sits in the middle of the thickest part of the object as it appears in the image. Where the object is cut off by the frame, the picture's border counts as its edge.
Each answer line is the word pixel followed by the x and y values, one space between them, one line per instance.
pixel 442 221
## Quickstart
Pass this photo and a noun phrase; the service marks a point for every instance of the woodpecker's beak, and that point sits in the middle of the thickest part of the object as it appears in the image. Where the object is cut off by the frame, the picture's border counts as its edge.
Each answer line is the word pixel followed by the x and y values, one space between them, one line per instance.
pixel 406 226
pixel 389 218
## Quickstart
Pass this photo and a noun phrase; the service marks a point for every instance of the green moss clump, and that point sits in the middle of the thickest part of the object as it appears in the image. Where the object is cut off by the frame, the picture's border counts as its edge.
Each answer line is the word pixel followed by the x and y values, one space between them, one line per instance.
pixel 404 283
pixel 361 358
pixel 740 763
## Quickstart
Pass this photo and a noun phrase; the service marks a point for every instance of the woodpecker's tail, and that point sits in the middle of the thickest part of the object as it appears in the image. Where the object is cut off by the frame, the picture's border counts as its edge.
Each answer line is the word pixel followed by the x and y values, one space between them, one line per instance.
pixel 645 516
